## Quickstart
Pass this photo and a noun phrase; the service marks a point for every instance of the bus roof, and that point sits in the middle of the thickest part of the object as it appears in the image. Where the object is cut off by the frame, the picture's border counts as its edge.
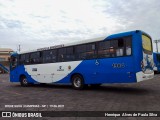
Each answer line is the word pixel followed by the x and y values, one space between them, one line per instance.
pixel 67 44
pixel 126 34
pixel 88 41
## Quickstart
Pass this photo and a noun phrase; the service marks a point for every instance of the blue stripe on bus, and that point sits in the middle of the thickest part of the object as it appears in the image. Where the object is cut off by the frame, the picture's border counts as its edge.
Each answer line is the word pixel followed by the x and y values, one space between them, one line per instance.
pixel 21 71
pixel 104 73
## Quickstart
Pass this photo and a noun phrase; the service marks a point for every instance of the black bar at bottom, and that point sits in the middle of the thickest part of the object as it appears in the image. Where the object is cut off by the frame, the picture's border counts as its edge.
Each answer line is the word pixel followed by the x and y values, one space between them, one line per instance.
pixel 80 114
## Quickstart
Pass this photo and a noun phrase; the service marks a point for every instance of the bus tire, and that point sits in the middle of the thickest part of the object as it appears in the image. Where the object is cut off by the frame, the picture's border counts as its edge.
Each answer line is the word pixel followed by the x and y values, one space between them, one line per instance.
pixel 24 81
pixel 78 82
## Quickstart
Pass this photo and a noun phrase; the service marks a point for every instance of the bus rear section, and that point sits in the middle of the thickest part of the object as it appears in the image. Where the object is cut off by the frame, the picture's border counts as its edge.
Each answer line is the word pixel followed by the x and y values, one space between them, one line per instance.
pixel 146 71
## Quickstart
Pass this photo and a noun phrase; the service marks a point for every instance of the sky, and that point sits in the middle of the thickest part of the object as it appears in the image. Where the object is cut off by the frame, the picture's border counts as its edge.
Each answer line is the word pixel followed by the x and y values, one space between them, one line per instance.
pixel 35 24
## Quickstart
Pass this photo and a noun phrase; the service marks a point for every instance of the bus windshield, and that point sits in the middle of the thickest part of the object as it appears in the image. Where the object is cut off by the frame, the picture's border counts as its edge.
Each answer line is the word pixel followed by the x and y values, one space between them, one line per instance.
pixel 147 44
pixel 13 62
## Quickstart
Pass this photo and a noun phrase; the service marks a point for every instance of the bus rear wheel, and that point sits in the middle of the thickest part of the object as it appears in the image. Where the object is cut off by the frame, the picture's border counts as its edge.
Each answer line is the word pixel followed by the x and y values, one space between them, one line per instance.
pixel 24 81
pixel 78 82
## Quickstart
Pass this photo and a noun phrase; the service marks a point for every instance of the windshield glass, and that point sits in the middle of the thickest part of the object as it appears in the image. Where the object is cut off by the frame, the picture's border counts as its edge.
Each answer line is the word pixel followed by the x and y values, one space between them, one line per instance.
pixel 147 44
pixel 13 62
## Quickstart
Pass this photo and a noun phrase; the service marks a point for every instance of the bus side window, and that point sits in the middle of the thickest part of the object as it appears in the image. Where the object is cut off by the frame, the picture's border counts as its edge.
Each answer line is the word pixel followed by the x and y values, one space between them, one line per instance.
pixel 120 49
pixel 26 58
pixel 69 54
pixel 21 59
pixel 47 55
pixel 90 51
pixel 80 52
pixel 53 54
pixel 128 46
pixel 35 58
pixel 103 49
pixel 113 48
pixel 61 54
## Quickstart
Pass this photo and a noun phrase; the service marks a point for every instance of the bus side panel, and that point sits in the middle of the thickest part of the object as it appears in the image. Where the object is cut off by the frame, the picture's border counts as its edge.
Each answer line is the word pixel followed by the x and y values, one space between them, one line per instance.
pixel 14 77
pixel 52 72
pixel 155 62
pixel 17 72
pixel 156 57
pixel 86 68
pixel 116 70
pixel 137 51
pixel 105 71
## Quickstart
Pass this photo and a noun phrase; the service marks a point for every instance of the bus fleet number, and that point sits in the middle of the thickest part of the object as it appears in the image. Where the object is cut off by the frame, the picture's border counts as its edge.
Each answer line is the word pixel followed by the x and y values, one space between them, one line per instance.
pixel 118 65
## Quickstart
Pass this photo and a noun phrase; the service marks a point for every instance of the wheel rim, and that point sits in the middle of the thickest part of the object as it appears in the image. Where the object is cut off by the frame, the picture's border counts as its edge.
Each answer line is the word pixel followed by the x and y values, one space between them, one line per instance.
pixel 25 81
pixel 77 82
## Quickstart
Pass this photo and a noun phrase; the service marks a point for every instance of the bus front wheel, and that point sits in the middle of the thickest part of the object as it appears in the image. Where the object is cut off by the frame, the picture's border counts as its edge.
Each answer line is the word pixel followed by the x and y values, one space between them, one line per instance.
pixel 78 82
pixel 24 81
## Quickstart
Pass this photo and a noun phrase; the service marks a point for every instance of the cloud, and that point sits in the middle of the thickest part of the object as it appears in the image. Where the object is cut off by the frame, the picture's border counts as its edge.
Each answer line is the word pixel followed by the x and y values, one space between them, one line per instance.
pixel 137 14
pixel 41 23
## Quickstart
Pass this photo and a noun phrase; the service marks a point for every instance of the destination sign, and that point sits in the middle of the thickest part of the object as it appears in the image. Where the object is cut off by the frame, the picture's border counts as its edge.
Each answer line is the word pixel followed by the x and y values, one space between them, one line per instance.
pixel 51 47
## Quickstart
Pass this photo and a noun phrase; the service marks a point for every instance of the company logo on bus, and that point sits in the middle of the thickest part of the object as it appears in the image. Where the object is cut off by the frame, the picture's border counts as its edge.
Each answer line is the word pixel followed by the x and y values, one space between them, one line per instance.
pixel 60 69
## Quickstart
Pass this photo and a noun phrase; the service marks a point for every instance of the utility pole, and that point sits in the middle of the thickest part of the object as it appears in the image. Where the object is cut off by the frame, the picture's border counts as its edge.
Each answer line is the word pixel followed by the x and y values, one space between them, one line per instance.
pixel 19 48
pixel 157 41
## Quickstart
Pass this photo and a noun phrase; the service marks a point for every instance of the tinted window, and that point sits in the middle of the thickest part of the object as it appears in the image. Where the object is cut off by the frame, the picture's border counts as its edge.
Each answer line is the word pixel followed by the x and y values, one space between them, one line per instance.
pixel 54 55
pixel 61 54
pixel 80 52
pixel 90 51
pixel 87 51
pixel 128 41
pixel 69 56
pixel 21 59
pixel 80 48
pixel 115 48
pixel 104 49
pixel 27 58
pixel 120 48
pixel 35 58
pixel 49 56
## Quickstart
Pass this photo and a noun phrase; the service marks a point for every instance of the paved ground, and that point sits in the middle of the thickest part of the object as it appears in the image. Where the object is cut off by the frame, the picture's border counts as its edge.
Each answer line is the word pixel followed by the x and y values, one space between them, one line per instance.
pixel 143 96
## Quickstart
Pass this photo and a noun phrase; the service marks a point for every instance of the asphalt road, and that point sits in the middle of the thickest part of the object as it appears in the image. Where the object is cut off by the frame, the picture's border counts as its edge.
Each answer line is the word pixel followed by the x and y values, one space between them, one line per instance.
pixel 143 96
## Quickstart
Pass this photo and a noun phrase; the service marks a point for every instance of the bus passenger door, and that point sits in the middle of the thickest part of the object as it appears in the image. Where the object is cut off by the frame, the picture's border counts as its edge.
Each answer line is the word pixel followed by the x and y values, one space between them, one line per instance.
pixel 102 71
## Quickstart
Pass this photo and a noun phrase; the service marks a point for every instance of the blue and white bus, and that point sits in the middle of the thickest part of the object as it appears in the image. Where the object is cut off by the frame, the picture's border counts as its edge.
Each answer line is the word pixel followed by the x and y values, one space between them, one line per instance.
pixel 119 58
pixel 156 57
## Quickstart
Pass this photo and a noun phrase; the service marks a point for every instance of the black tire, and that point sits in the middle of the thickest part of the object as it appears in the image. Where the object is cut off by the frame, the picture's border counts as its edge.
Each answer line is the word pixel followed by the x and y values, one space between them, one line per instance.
pixel 42 84
pixel 78 82
pixel 24 81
